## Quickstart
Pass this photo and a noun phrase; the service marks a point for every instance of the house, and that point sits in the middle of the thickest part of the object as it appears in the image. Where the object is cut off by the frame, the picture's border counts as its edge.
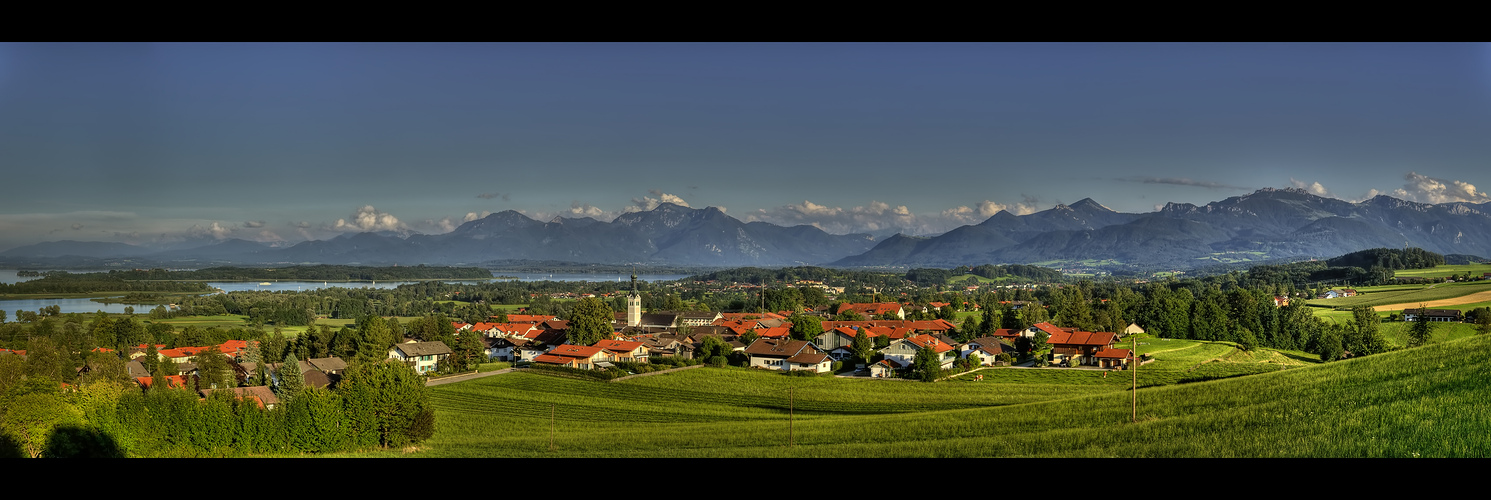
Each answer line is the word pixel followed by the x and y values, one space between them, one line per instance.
pixel 873 310
pixel 885 368
pixel 504 348
pixel 1113 358
pixel 1079 346
pixel 574 356
pixel 1437 315
pixel 788 355
pixel 621 350
pixel 904 350
pixel 988 349
pixel 422 356
pixel 331 366
pixel 1134 328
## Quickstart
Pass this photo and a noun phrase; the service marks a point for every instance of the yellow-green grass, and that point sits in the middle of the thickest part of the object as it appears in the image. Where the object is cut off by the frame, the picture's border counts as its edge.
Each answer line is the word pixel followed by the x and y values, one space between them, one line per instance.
pixel 1440 292
pixel 1475 270
pixel 1396 332
pixel 1426 402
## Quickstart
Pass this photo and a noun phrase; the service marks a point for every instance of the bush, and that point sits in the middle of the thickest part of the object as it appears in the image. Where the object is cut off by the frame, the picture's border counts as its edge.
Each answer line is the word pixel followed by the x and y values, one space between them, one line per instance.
pixel 802 373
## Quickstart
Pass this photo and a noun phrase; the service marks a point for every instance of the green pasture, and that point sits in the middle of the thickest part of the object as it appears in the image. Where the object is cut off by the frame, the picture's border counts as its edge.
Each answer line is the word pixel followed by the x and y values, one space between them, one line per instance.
pixel 1423 294
pixel 1423 402
pixel 1475 270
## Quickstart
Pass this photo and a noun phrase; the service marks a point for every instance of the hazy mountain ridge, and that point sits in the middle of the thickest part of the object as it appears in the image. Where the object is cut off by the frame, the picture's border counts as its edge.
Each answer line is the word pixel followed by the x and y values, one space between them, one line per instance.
pixel 1266 224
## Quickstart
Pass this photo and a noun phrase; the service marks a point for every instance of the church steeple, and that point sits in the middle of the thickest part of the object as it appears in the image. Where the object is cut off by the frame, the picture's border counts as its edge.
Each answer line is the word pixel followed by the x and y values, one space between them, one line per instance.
pixel 634 303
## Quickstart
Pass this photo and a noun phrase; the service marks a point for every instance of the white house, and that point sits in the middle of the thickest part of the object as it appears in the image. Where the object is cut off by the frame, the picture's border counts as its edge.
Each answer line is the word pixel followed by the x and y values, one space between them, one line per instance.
pixel 422 356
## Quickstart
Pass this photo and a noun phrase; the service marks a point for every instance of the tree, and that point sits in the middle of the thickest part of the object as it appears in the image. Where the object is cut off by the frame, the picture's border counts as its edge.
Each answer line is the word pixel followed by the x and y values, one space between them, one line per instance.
pixel 30 419
pixel 1422 330
pixel 590 322
pixel 926 366
pixel 863 347
pixel 212 369
pixel 805 327
pixel 1363 336
pixel 385 404
pixel 291 378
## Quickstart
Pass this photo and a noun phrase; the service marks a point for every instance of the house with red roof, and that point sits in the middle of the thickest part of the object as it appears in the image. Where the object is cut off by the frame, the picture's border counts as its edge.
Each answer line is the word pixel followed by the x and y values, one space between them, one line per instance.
pixel 621 350
pixel 904 350
pixel 872 310
pixel 1079 346
pixel 574 356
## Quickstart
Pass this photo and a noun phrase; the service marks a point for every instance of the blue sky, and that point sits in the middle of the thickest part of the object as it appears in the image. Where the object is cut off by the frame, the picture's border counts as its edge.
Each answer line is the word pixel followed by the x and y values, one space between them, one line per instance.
pixel 151 143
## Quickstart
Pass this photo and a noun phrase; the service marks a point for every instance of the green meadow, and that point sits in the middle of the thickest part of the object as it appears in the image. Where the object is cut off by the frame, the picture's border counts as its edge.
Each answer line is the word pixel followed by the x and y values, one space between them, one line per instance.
pixel 1402 295
pixel 1423 402
pixel 1475 270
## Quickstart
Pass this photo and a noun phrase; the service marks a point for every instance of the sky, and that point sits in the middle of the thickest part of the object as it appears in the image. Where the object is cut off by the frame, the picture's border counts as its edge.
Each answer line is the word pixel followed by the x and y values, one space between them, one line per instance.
pixel 156 144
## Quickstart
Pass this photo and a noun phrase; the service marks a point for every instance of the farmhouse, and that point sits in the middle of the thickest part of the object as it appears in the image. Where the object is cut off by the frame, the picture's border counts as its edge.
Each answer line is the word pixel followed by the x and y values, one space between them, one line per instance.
pixel 1442 315
pixel 1081 347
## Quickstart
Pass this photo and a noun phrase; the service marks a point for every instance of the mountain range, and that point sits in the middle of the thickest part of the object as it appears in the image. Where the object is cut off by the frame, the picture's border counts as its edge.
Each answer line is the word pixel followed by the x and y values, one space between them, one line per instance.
pixel 1266 224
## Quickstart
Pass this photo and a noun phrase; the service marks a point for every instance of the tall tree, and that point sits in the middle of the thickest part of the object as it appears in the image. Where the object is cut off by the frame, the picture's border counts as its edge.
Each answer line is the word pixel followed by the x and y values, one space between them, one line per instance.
pixel 1422 330
pixel 590 322
pixel 291 380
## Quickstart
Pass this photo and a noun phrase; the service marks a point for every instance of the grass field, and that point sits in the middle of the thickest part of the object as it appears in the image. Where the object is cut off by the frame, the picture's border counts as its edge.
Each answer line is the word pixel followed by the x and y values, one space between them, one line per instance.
pixel 1444 271
pixel 1425 402
pixel 1399 296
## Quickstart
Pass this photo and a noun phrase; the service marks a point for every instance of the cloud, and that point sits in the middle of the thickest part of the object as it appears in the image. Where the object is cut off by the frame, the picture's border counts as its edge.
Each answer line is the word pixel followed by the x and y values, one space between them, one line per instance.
pixel 488 196
pixel 215 230
pixel 1181 181
pixel 368 218
pixel 446 225
pixel 877 216
pixel 76 226
pixel 1314 188
pixel 646 203
pixel 1423 188
pixel 302 225
pixel 253 224
pixel 471 216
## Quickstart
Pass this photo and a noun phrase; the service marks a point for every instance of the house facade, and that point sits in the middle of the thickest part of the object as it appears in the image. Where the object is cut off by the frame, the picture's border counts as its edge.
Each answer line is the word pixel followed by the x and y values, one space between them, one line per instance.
pixel 424 357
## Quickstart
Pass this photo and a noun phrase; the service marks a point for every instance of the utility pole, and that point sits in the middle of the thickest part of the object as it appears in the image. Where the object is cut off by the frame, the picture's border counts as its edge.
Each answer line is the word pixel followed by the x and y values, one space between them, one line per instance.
pixel 552 407
pixel 1134 392
pixel 791 402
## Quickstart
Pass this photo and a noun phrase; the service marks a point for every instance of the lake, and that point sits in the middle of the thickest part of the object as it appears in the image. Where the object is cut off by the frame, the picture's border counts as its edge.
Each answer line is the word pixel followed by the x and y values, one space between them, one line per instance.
pixel 89 306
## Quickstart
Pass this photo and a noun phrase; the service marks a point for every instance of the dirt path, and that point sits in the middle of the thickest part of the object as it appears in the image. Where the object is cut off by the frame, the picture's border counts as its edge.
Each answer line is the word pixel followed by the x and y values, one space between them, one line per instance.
pixel 1463 299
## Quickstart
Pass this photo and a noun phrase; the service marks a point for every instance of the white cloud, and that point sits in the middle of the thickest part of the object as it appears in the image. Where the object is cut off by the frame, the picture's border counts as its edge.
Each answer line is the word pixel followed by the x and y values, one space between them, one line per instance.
pixel 471 216
pixel 1427 189
pixel 646 203
pixel 368 218
pixel 215 230
pixel 253 224
pixel 1314 188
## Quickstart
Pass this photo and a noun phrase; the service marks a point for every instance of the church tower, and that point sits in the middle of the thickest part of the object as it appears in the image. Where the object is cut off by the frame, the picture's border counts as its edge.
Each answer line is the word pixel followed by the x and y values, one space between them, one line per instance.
pixel 634 304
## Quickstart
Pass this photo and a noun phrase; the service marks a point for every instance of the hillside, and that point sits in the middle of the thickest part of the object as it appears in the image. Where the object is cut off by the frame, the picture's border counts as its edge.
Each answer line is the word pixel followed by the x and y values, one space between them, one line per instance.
pixel 1424 402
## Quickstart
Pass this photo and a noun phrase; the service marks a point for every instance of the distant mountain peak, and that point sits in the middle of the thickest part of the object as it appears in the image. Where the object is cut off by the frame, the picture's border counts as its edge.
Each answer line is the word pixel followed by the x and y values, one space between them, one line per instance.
pixel 1089 205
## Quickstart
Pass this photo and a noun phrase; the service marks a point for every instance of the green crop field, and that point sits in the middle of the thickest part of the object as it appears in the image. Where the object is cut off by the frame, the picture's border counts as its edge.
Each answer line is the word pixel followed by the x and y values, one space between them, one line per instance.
pixel 1475 270
pixel 1424 402
pixel 1422 294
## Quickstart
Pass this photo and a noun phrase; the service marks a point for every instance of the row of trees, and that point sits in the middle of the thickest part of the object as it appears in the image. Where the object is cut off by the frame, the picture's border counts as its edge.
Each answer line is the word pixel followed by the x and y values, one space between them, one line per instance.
pixel 382 404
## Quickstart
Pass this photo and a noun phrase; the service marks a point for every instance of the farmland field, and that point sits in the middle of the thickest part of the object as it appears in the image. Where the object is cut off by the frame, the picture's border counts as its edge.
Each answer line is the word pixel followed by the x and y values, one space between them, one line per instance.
pixel 1397 299
pixel 1424 402
pixel 1445 271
